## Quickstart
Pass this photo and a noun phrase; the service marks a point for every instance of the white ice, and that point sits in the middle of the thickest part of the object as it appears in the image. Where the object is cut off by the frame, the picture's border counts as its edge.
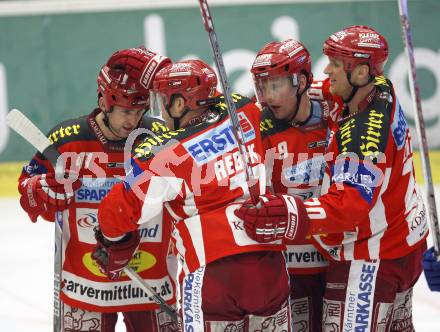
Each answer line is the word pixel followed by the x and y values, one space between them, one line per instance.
pixel 26 277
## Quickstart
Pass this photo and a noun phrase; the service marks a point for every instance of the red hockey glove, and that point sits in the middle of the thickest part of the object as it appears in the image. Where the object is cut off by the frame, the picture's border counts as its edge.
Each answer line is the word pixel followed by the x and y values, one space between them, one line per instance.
pixel 275 217
pixel 113 257
pixel 44 193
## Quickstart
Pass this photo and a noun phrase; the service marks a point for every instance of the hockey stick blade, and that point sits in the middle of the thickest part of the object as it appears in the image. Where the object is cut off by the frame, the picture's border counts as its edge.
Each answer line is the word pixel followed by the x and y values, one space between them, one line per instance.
pixel 206 16
pixel 23 126
pixel 17 121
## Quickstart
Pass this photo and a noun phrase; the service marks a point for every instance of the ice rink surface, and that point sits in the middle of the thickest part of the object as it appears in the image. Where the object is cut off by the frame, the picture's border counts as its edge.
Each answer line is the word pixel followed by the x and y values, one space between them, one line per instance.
pixel 26 277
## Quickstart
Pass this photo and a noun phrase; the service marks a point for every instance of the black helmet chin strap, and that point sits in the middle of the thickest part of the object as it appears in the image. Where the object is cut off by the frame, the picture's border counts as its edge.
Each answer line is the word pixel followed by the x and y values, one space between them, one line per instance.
pixel 176 119
pixel 200 103
pixel 298 102
pixel 355 87
pixel 298 99
pixel 108 125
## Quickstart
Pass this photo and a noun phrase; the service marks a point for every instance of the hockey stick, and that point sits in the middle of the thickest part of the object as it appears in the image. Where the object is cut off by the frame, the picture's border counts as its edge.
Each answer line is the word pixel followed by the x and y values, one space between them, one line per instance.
pixel 420 124
pixel 26 129
pixel 236 127
pixel 149 290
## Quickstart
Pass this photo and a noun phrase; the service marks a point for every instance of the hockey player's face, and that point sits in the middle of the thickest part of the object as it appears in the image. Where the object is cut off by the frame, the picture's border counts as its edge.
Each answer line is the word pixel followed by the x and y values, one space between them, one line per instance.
pixel 339 84
pixel 123 121
pixel 280 96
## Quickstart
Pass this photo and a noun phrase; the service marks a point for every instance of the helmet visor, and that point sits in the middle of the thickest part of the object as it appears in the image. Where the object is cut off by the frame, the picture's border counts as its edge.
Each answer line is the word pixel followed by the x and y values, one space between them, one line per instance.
pixel 276 89
pixel 158 102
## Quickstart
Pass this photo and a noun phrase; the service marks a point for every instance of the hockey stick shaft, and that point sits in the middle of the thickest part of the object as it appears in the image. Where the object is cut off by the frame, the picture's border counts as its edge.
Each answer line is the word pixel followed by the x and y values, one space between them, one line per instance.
pixel 17 121
pixel 149 290
pixel 237 129
pixel 57 271
pixel 26 129
pixel 420 124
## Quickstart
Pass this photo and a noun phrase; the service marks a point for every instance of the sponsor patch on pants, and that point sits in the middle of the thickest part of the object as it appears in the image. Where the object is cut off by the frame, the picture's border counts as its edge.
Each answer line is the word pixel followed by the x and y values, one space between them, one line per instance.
pixel 358 310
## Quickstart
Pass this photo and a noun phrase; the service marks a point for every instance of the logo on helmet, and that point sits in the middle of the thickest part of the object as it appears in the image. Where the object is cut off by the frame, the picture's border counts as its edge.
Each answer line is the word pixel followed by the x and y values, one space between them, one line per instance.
pixel 208 73
pixel 181 67
pixel 340 35
pixel 368 37
pixel 262 60
pixel 148 73
pixel 175 83
pixel 291 47
pixel 301 60
pixel 361 55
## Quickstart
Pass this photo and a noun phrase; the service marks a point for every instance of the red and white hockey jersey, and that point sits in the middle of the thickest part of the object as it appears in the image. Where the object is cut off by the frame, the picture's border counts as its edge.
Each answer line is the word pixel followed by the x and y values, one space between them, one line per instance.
pixel 198 174
pixel 295 165
pixel 101 165
pixel 370 207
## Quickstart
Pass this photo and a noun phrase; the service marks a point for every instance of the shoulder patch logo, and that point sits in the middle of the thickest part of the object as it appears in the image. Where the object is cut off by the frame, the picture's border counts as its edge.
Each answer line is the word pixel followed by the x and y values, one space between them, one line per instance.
pixel 62 132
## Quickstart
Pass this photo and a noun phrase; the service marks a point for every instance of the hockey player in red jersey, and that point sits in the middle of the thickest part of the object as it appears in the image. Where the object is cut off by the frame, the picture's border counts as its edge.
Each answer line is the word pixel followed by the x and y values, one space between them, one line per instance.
pixel 294 131
pixel 95 145
pixel 371 215
pixel 231 282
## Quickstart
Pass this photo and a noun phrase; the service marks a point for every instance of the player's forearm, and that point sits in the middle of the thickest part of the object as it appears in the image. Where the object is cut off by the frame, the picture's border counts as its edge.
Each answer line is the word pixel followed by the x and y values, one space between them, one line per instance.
pixel 119 213
pixel 336 212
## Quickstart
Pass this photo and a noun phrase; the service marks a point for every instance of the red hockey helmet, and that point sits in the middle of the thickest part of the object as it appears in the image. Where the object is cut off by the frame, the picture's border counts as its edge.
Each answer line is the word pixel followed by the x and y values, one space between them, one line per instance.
pixel 127 76
pixel 358 45
pixel 278 59
pixel 194 80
